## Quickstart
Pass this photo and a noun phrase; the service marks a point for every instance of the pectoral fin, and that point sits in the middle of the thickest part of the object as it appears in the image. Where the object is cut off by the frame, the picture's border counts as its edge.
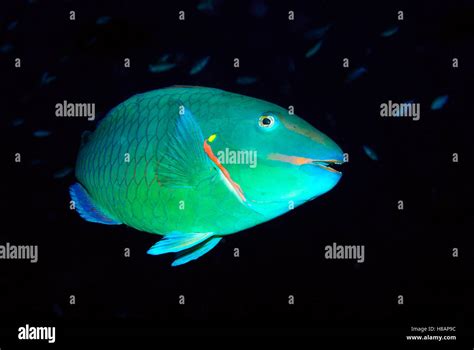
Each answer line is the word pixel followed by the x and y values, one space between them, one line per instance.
pixel 195 252
pixel 189 246
pixel 183 164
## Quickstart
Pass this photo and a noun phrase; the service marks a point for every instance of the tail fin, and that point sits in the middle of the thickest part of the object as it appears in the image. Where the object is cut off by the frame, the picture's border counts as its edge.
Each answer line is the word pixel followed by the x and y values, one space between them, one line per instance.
pixel 87 209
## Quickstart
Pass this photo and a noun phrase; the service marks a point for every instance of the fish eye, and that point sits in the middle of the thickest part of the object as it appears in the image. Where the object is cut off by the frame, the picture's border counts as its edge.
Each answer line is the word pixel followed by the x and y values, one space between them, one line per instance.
pixel 266 121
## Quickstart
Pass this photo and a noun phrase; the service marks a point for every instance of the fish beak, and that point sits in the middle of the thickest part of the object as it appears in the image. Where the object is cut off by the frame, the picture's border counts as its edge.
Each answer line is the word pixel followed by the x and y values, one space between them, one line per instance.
pixel 327 163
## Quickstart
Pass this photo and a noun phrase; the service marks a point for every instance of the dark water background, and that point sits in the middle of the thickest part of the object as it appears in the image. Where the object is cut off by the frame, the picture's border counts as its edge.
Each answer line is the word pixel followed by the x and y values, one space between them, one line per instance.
pixel 408 252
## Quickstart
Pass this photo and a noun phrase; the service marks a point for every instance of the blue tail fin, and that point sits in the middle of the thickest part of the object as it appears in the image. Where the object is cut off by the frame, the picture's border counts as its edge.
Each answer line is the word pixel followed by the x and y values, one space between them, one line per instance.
pixel 87 209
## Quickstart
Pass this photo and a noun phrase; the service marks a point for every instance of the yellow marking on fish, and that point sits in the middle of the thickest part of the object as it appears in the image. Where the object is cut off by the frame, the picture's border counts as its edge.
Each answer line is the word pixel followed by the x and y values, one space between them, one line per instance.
pixel 212 138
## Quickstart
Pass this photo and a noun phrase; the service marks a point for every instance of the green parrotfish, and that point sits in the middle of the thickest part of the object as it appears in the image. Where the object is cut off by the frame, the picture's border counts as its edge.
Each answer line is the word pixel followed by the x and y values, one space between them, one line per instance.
pixel 194 164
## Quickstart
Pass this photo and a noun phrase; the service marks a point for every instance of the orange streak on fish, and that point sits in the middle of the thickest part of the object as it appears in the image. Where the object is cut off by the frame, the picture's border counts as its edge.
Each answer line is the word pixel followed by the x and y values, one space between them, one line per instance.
pixel 313 135
pixel 290 159
pixel 303 160
pixel 234 184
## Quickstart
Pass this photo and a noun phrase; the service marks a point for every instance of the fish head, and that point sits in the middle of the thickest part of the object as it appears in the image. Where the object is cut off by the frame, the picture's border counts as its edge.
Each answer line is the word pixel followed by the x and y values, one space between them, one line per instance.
pixel 283 160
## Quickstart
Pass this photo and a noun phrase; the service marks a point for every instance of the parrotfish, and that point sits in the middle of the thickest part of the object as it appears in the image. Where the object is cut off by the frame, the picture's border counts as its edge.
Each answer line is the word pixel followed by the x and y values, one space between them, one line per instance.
pixel 195 164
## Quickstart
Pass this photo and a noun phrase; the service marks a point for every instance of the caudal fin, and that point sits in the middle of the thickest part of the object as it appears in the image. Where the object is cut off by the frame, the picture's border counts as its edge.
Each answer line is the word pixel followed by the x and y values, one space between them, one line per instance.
pixel 86 207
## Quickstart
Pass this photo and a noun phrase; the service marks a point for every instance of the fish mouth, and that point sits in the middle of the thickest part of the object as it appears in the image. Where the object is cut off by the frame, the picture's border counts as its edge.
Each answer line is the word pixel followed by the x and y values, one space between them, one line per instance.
pixel 327 164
